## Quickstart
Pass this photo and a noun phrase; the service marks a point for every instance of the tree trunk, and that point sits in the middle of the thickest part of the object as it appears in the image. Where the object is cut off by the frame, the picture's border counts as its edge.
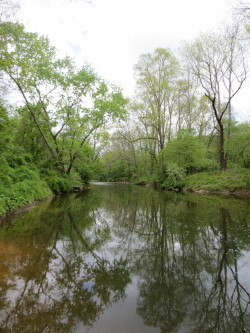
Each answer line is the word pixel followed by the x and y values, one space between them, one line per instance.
pixel 222 155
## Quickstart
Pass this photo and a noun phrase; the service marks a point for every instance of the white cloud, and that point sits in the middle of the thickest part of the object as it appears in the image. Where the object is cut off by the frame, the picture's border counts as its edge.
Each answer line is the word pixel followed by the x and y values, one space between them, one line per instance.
pixel 111 34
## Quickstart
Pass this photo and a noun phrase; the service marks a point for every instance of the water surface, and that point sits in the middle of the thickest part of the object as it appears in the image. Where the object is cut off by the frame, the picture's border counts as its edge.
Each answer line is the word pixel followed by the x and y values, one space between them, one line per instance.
pixel 127 259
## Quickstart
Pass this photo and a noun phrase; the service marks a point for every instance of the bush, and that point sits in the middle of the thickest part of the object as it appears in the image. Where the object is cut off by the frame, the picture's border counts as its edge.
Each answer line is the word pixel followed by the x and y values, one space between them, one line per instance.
pixel 175 176
pixel 3 210
pixel 58 183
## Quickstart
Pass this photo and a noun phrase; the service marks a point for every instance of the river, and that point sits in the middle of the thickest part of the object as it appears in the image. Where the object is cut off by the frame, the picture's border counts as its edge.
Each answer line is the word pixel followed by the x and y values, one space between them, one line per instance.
pixel 127 259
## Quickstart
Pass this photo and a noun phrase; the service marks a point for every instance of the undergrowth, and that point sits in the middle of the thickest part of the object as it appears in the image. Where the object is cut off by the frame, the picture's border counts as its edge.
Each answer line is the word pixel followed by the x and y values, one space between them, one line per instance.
pixel 21 182
pixel 231 179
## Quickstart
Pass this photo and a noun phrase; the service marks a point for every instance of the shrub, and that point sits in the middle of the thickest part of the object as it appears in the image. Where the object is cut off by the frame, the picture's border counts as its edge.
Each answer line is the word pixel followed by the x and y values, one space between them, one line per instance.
pixel 58 183
pixel 175 176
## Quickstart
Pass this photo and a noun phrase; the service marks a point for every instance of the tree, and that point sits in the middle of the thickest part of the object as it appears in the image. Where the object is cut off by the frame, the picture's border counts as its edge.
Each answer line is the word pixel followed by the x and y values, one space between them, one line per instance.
pixel 155 102
pixel 155 74
pixel 66 105
pixel 119 160
pixel 186 89
pixel 218 63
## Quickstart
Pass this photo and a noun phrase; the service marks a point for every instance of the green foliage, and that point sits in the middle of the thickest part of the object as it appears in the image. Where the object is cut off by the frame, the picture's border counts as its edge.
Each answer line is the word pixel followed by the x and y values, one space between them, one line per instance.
pixel 186 151
pixel 63 106
pixel 4 128
pixel 60 124
pixel 231 179
pixel 116 166
pixel 238 146
pixel 174 176
pixel 85 172
pixel 20 182
pixel 21 193
pixel 88 165
pixel 57 182
pixel 155 73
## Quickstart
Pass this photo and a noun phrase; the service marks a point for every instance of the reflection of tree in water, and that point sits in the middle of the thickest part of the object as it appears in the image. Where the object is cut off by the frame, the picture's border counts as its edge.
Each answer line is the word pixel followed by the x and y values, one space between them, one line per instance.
pixel 190 276
pixel 185 254
pixel 64 284
pixel 226 305
pixel 161 302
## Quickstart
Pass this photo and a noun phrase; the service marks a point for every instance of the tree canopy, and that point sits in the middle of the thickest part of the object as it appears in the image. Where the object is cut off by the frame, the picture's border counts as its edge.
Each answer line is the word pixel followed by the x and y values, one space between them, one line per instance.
pixel 66 105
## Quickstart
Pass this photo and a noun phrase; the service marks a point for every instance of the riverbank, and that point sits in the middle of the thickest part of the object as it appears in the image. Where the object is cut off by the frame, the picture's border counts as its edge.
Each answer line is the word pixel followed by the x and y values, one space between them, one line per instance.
pixel 24 208
pixel 23 183
pixel 233 182
pixel 35 202
pixel 230 182
pixel 239 193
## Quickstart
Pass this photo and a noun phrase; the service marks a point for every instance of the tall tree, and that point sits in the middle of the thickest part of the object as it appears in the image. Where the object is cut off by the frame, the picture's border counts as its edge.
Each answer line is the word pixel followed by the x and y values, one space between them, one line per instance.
pixel 66 105
pixel 155 74
pixel 217 60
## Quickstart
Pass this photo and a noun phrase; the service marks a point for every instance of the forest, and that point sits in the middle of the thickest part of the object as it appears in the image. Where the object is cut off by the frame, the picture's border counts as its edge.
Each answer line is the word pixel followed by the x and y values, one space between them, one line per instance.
pixel 62 126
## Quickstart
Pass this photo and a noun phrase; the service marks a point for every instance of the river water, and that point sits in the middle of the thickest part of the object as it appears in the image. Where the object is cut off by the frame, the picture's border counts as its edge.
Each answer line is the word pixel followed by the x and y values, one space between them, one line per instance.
pixel 127 259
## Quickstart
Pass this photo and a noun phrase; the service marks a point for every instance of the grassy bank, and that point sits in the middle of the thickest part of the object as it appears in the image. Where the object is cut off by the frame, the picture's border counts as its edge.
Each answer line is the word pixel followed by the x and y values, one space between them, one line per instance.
pixel 229 180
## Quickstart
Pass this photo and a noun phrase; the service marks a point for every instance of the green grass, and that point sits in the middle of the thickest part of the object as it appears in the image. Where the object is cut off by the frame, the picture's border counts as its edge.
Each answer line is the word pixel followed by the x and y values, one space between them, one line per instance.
pixel 231 180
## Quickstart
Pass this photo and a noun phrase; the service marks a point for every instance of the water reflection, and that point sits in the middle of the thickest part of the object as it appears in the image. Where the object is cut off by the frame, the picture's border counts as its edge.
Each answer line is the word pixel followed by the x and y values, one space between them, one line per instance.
pixel 70 261
pixel 58 278
pixel 195 285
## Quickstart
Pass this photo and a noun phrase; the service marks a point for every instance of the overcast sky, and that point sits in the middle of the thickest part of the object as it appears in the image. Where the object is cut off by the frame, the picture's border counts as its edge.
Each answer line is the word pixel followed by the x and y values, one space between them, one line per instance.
pixel 111 34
